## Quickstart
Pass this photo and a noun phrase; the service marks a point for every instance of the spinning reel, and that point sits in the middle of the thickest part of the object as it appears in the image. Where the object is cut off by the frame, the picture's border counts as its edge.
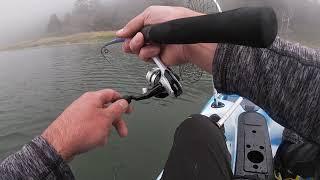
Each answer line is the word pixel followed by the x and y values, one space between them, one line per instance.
pixel 162 81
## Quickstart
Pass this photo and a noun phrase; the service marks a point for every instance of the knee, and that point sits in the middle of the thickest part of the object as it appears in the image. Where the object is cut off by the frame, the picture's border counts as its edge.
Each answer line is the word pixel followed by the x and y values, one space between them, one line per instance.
pixel 197 127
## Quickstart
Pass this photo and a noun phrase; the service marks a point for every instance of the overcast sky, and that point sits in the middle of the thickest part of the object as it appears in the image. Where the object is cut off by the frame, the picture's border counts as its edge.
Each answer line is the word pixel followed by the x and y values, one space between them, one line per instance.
pixel 19 18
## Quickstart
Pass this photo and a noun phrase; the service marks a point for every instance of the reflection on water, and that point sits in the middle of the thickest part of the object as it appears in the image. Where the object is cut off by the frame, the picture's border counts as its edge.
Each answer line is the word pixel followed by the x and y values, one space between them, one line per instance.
pixel 37 84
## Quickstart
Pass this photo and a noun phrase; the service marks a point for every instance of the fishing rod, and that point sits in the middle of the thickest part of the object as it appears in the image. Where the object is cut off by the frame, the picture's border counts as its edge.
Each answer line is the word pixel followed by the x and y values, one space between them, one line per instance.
pixel 250 26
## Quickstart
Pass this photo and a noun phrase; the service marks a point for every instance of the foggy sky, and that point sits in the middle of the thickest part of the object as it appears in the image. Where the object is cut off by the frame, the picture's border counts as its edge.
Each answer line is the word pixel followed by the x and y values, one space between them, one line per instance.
pixel 26 18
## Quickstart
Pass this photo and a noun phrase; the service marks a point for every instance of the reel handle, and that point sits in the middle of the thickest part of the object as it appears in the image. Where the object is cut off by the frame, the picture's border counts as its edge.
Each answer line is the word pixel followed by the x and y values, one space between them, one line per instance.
pixel 250 26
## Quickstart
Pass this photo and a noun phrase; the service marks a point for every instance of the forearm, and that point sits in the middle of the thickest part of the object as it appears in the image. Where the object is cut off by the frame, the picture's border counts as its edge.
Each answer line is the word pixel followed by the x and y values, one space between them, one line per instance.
pixel 200 55
pixel 36 160
pixel 284 80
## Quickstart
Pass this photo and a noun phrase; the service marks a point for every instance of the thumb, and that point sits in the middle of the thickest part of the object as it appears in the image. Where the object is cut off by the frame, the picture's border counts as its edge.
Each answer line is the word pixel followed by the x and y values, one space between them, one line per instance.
pixel 117 108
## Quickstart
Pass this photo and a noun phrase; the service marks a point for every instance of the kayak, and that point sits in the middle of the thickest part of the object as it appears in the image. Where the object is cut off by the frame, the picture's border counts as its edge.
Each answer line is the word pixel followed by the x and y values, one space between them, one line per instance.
pixel 231 125
pixel 237 110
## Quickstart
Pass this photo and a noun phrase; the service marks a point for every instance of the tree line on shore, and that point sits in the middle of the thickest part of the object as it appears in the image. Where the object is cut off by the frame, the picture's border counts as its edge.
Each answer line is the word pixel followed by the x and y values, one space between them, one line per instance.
pixel 295 17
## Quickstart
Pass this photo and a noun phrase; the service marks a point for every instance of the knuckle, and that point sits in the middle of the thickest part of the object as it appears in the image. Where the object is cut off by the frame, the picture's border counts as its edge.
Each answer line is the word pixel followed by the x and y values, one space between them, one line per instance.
pixel 88 94
pixel 114 93
pixel 126 48
pixel 115 113
pixel 99 95
pixel 149 8
pixel 110 91
pixel 132 46
pixel 135 44
pixel 112 112
pixel 152 7
pixel 143 56
pixel 94 96
pixel 110 115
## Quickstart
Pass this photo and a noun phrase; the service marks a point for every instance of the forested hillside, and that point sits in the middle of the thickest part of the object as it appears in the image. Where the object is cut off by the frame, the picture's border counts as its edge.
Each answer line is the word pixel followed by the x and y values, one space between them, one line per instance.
pixel 297 18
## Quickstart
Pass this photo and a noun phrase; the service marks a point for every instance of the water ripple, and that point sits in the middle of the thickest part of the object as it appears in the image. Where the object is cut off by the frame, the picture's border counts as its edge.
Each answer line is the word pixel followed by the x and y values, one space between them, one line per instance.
pixel 37 84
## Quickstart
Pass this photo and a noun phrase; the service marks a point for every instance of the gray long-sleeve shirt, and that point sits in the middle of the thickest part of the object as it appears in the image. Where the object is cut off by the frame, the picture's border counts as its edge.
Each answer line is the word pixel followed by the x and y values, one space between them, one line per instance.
pixel 36 160
pixel 283 79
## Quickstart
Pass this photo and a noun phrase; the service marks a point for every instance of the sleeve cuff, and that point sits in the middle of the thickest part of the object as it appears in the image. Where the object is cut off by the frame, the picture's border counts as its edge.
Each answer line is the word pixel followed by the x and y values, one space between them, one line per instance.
pixel 58 168
pixel 220 66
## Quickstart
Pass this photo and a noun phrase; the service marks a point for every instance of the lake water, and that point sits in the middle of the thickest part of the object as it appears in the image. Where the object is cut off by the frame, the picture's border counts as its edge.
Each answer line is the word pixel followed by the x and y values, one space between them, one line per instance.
pixel 37 84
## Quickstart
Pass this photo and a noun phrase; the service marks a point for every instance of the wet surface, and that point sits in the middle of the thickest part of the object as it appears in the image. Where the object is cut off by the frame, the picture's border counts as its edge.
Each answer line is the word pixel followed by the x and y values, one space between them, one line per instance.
pixel 37 84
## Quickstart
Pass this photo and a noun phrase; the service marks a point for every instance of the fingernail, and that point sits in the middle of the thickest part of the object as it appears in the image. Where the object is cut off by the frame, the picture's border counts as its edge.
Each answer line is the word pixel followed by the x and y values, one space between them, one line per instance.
pixel 123 103
pixel 119 32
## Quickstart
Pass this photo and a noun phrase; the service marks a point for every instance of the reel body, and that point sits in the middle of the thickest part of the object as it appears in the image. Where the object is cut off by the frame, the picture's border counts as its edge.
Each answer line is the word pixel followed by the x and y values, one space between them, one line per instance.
pixel 170 81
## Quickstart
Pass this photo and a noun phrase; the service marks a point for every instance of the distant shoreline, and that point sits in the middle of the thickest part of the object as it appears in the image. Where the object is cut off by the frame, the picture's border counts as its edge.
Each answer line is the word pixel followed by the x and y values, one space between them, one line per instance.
pixel 79 38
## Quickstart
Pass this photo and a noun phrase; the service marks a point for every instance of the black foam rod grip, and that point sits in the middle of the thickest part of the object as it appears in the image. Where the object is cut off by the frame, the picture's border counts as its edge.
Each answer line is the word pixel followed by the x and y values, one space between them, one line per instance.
pixel 250 26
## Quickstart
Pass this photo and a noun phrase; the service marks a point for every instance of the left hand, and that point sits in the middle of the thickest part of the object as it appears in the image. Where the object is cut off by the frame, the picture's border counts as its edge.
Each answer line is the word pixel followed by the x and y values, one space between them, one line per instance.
pixel 200 54
pixel 169 54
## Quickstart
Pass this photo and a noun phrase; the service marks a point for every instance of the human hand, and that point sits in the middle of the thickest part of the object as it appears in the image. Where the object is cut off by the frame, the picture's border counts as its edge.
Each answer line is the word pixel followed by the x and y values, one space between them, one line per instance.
pixel 198 54
pixel 87 122
pixel 170 54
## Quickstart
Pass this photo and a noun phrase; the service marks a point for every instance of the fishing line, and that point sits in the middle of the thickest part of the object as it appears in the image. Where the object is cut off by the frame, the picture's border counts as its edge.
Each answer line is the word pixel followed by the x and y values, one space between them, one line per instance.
pixel 105 52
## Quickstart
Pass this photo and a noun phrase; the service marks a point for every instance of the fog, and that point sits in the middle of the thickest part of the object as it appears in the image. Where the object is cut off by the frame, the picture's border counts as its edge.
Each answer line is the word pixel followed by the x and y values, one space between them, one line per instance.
pixel 27 19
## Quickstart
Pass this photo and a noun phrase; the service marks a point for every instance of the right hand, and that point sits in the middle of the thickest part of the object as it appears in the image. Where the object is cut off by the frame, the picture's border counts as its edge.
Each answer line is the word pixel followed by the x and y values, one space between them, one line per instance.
pixel 169 54
pixel 199 54
pixel 87 122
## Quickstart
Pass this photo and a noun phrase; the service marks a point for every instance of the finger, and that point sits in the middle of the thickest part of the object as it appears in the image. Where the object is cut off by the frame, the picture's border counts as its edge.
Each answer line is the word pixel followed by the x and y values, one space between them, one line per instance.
pixel 130 110
pixel 137 43
pixel 148 52
pixel 107 95
pixel 121 127
pixel 126 46
pixel 132 27
pixel 116 109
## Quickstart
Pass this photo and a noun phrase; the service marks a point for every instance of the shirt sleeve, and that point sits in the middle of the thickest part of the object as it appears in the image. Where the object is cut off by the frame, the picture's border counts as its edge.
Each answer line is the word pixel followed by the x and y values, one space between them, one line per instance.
pixel 283 79
pixel 36 160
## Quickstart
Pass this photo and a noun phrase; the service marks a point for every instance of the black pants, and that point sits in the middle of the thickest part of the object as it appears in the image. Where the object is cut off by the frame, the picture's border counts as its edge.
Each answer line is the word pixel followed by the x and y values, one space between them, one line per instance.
pixel 199 152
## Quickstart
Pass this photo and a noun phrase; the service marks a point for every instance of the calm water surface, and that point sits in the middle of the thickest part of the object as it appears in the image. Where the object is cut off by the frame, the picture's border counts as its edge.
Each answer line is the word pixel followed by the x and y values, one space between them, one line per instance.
pixel 37 84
